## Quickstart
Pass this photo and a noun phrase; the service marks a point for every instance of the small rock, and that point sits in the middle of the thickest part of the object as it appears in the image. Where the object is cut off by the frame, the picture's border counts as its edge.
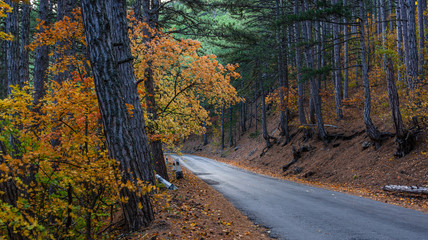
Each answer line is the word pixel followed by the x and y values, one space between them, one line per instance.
pixel 298 170
pixel 336 145
pixel 309 174
pixel 366 145
pixel 237 147
pixel 305 148
pixel 252 152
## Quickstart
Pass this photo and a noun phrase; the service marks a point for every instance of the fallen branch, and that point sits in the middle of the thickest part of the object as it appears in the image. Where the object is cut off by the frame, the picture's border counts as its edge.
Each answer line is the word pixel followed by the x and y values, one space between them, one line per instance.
pixel 325 125
pixel 407 189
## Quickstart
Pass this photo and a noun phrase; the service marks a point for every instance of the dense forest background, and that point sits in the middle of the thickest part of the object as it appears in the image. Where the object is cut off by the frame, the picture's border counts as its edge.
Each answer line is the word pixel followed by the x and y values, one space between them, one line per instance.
pixel 94 92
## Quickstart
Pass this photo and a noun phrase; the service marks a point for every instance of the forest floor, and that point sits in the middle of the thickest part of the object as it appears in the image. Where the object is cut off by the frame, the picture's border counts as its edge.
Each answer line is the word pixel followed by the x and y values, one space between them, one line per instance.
pixel 341 165
pixel 197 211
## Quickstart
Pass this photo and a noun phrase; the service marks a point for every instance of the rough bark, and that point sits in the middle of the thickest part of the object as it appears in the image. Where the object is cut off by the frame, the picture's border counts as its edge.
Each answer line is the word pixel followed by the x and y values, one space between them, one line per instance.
pixel 222 129
pixel 24 73
pixel 346 57
pixel 255 108
pixel 421 9
pixel 412 61
pixel 12 47
pixel 41 61
pixel 115 85
pixel 322 133
pixel 205 134
pixel 399 39
pixel 231 126
pixel 300 84
pixel 281 67
pixel 404 139
pixel 64 9
pixel 337 72
pixel 372 132
pixel 406 189
pixel 403 19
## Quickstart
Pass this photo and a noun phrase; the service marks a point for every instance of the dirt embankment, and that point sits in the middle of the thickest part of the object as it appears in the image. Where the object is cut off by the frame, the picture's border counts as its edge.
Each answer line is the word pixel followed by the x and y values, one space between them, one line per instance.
pixel 343 165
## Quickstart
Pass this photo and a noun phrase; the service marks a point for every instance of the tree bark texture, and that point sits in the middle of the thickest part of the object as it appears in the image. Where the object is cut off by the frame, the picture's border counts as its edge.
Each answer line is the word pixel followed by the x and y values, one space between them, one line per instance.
pixel 322 134
pixel 64 9
pixel 399 39
pixel 12 47
pixel 146 15
pixel 421 54
pixel 115 85
pixel 222 129
pixel 404 139
pixel 403 19
pixel 337 72
pixel 372 132
pixel 24 73
pixel 346 57
pixel 412 61
pixel 300 84
pixel 41 61
pixel 231 126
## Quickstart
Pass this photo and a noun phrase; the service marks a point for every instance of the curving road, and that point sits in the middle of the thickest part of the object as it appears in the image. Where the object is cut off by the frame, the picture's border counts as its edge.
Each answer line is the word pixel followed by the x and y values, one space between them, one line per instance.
pixel 296 211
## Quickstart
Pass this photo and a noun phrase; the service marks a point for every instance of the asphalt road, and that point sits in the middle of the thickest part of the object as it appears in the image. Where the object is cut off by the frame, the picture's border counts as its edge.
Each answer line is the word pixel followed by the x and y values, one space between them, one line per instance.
pixel 296 211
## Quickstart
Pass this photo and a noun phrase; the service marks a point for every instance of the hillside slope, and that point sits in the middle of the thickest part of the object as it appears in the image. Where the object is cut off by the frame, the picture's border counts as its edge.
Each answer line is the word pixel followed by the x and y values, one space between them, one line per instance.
pixel 342 165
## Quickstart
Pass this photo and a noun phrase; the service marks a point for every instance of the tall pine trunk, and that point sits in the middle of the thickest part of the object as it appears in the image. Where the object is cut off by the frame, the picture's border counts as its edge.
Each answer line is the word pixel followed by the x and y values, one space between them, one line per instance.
pixel 337 69
pixel 404 139
pixel 41 61
pixel 64 9
pixel 372 132
pixel 115 85
pixel 300 84
pixel 399 39
pixel 24 73
pixel 231 126
pixel 412 61
pixel 346 57
pixel 222 129
pixel 421 9
pixel 322 134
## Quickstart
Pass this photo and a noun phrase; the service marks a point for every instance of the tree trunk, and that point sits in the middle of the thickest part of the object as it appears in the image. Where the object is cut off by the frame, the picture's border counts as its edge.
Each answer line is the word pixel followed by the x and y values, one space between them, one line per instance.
pixel 12 47
pixel 322 134
pixel 405 140
pixel 3 71
pixel 255 108
pixel 231 126
pixel 399 39
pixel 406 189
pixel 403 19
pixel 412 64
pixel 346 59
pixel 372 132
pixel 421 9
pixel 337 72
pixel 24 73
pixel 115 84
pixel 64 9
pixel 155 145
pixel 205 134
pixel 264 121
pixel 282 75
pixel 222 129
pixel 300 84
pixel 41 61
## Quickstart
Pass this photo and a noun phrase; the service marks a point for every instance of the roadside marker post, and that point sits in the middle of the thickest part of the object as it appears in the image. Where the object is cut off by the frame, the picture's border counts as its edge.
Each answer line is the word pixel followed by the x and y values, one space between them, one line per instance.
pixel 178 173
pixel 173 165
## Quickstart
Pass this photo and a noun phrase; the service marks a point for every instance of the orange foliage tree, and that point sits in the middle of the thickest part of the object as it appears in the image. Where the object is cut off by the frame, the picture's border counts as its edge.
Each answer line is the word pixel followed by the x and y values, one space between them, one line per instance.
pixel 183 81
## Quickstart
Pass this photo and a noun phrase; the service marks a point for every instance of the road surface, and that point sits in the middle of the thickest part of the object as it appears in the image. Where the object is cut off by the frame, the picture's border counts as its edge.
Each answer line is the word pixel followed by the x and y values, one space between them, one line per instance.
pixel 296 211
